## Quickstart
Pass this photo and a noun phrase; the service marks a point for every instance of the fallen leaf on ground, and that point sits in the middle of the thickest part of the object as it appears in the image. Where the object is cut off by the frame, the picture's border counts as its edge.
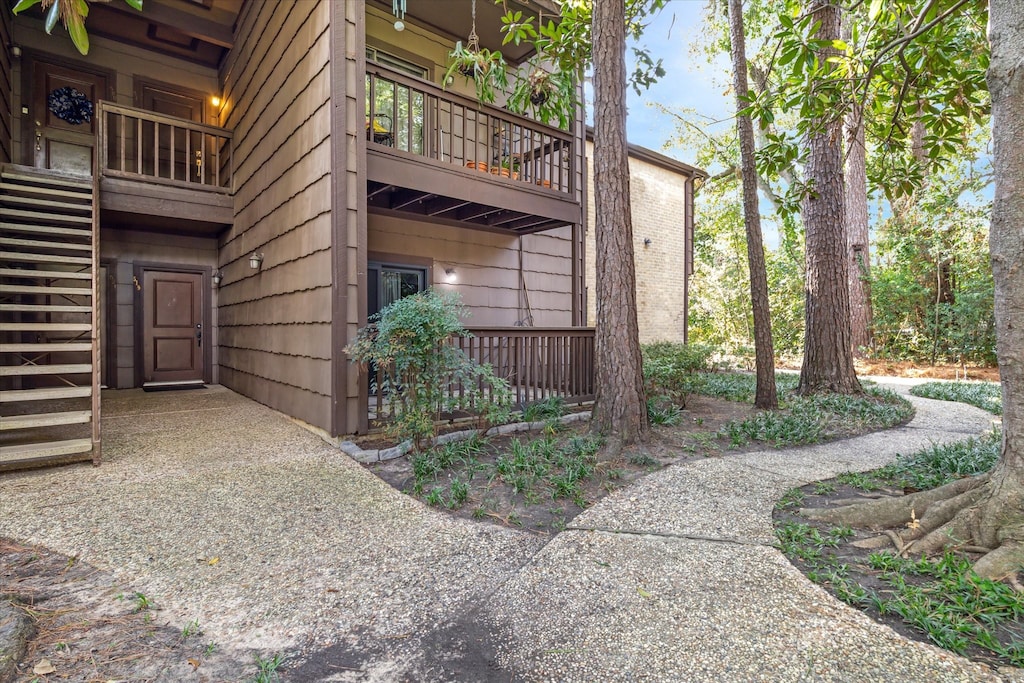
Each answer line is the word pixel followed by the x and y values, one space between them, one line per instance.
pixel 43 667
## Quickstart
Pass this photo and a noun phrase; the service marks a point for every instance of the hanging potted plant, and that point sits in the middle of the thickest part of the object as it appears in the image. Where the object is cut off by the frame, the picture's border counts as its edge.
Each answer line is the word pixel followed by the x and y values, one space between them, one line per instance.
pixel 550 96
pixel 485 68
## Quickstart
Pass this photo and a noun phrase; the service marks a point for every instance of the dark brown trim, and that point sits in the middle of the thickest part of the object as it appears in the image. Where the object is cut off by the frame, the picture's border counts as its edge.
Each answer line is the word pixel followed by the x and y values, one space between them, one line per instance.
pixel 341 145
pixel 392 259
pixel 109 331
pixel 138 272
pixel 206 30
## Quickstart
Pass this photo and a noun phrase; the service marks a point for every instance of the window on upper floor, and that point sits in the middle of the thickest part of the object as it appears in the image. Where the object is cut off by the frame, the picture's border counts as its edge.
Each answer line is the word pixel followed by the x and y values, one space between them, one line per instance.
pixel 397 63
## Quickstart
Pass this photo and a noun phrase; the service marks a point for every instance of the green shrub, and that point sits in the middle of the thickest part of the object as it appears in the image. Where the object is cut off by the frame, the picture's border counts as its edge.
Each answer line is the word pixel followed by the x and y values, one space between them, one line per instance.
pixel 669 368
pixel 424 375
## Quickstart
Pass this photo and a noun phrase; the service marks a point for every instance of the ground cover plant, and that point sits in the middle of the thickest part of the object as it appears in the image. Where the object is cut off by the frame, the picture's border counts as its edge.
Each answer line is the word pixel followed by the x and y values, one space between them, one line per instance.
pixel 542 479
pixel 938 598
pixel 985 395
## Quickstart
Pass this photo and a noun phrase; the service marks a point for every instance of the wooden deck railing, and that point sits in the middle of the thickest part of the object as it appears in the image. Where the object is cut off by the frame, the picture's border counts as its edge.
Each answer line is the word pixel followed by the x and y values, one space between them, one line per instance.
pixel 142 145
pixel 413 116
pixel 537 362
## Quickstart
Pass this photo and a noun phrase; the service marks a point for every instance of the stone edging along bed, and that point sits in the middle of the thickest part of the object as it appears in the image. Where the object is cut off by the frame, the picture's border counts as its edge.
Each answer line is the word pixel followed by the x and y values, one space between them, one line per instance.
pixel 359 455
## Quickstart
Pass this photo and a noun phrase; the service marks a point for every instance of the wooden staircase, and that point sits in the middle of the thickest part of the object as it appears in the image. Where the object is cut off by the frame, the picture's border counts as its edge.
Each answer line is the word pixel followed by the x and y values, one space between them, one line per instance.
pixel 49 345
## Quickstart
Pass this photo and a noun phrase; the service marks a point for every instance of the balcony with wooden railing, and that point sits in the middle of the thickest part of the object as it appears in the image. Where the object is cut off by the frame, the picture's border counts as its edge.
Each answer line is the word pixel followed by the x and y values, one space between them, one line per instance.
pixel 440 156
pixel 537 362
pixel 164 167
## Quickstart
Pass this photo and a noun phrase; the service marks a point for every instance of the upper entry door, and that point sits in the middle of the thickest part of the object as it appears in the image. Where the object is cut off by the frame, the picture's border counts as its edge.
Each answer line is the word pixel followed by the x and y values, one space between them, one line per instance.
pixel 173 334
pixel 63 117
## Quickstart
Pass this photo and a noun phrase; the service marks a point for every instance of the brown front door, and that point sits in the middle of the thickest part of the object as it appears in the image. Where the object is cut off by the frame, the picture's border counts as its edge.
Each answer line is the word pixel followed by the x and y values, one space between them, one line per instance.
pixel 172 326
pixel 63 133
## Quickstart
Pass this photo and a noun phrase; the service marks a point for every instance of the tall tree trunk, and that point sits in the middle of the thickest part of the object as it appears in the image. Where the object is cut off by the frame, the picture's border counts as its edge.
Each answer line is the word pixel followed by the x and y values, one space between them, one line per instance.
pixel 766 397
pixel 620 407
pixel 828 348
pixel 857 224
pixel 1006 242
pixel 986 511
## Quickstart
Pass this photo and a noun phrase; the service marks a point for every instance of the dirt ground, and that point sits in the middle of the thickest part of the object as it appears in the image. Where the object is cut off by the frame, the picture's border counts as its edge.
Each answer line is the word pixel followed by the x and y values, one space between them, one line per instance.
pixel 889 368
pixel 84 628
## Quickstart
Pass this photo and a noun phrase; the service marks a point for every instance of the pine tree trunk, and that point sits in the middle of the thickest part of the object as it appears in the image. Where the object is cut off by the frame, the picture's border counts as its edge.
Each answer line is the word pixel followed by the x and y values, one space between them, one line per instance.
pixel 828 348
pixel 765 397
pixel 857 224
pixel 620 407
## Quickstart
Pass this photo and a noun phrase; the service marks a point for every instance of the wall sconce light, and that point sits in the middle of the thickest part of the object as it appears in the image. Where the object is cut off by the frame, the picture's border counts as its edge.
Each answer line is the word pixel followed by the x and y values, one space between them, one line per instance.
pixel 215 101
pixel 450 275
pixel 217 278
pixel 16 51
pixel 255 261
pixel 647 241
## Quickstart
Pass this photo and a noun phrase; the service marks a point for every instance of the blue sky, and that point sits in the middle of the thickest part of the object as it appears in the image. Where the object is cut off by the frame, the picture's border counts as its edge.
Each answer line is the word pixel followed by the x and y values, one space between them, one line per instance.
pixel 690 82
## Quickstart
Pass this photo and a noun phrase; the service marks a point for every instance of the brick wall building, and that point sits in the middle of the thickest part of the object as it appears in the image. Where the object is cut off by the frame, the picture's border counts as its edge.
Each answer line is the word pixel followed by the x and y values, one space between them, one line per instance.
pixel 661 195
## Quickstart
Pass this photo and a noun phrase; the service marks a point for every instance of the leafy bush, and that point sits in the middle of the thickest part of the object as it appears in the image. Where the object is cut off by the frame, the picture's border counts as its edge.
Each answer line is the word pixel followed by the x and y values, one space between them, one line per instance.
pixel 668 368
pixel 424 375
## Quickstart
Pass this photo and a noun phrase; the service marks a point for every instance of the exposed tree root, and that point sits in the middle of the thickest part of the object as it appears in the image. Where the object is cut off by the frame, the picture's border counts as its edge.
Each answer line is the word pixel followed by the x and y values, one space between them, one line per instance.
pixel 964 515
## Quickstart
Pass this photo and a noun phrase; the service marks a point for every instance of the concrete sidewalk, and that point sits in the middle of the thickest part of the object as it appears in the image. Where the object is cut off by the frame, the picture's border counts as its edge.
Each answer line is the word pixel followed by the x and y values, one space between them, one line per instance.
pixel 674 578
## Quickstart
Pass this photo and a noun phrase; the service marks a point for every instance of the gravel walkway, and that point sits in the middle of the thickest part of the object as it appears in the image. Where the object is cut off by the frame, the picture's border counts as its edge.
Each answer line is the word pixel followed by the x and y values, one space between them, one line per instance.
pixel 223 511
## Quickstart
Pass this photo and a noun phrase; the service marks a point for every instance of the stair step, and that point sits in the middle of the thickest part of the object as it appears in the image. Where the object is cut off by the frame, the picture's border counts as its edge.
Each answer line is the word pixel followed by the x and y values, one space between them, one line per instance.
pixel 59 369
pixel 39 244
pixel 26 289
pixel 47 327
pixel 43 308
pixel 42 348
pixel 41 451
pixel 48 274
pixel 47 394
pixel 22 189
pixel 47 230
pixel 44 217
pixel 84 184
pixel 48 205
pixel 45 420
pixel 22 257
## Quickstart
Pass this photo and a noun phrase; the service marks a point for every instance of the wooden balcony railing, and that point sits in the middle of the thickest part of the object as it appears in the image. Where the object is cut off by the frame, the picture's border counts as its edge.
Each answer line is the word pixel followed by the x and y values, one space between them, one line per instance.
pixel 413 116
pixel 142 145
pixel 537 362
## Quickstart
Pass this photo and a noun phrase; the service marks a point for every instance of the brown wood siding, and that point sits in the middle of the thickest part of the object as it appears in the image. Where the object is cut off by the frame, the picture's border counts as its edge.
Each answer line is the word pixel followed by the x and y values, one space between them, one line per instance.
pixel 349 220
pixel 275 332
pixel 487 268
pixel 6 90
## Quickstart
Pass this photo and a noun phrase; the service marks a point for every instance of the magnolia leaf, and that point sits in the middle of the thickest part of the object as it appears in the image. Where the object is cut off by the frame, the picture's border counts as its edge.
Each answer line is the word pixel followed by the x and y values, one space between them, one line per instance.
pixel 76 29
pixel 875 9
pixel 643 593
pixel 51 17
pixel 23 5
pixel 137 4
pixel 213 561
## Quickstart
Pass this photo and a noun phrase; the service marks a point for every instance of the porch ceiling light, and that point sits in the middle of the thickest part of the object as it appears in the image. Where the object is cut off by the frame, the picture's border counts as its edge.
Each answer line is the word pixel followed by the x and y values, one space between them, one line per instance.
pixel 450 275
pixel 255 261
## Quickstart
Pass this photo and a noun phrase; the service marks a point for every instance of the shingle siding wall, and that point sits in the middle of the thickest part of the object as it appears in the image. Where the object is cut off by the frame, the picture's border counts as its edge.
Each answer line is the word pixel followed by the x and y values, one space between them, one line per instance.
pixel 275 322
pixel 658 201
